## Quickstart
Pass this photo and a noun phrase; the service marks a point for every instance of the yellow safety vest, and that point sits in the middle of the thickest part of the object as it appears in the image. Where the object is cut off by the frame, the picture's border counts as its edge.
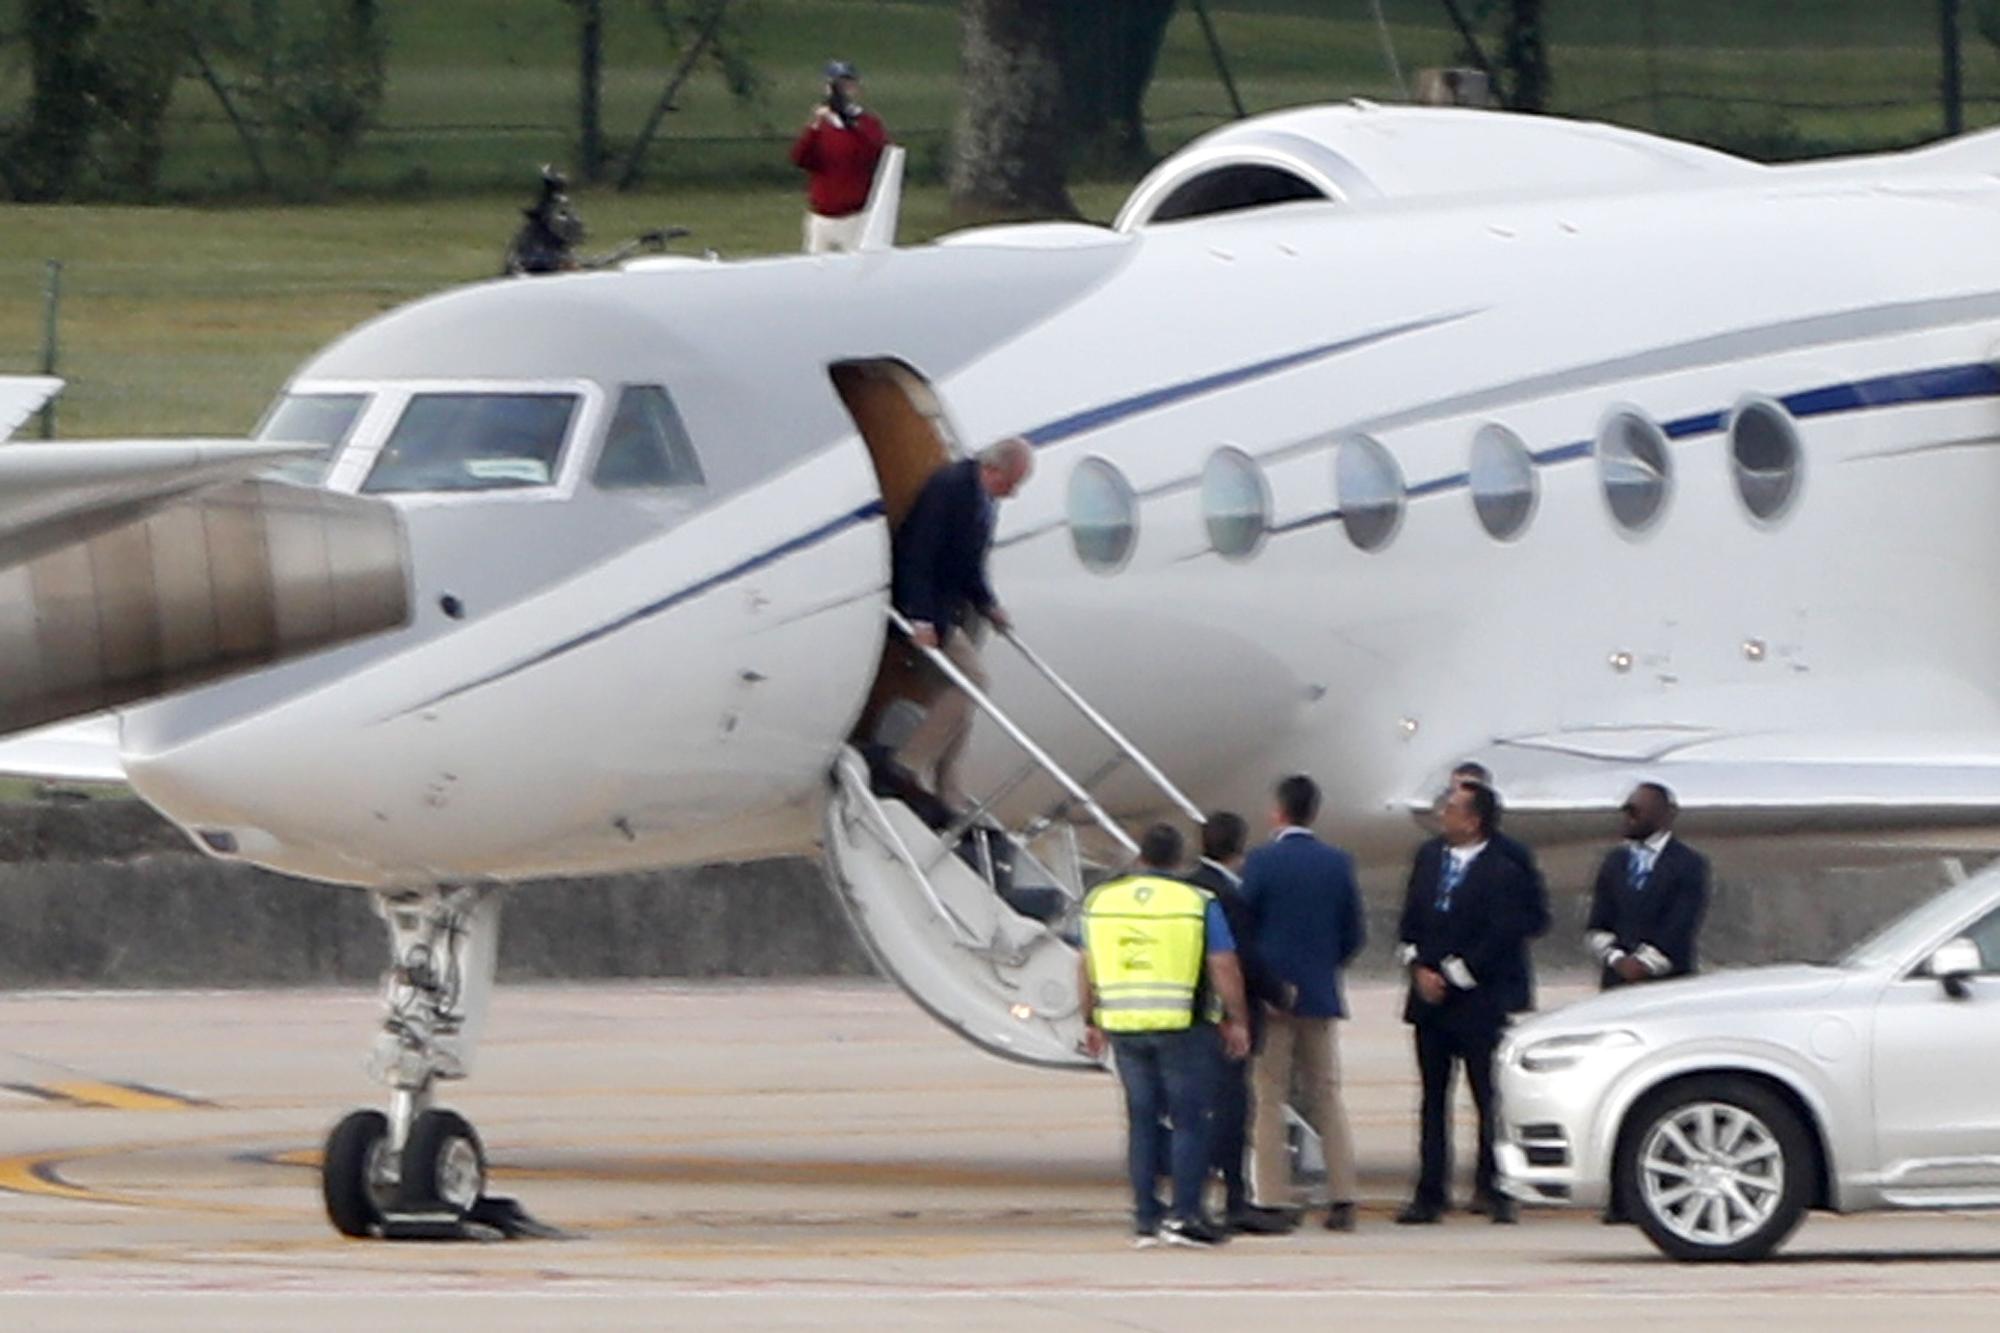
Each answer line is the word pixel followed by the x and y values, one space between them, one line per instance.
pixel 1144 938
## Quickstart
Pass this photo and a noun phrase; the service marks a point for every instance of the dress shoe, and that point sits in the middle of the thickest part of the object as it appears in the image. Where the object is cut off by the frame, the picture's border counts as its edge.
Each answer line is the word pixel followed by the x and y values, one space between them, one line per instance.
pixel 1340 1217
pixel 1193 1232
pixel 1252 1221
pixel 1420 1215
pixel 1503 1212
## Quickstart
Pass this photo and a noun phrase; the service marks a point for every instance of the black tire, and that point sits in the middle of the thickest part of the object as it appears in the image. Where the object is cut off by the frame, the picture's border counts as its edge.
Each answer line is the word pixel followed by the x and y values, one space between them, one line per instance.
pixel 353 1203
pixel 1777 1182
pixel 444 1164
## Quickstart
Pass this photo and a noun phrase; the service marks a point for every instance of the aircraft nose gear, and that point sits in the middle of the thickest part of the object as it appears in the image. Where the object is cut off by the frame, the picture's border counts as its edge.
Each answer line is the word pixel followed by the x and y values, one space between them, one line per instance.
pixel 419 1172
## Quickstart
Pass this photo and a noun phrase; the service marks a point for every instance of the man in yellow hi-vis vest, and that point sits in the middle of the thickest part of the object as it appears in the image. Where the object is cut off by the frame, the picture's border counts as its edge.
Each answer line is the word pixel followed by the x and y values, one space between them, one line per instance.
pixel 1149 943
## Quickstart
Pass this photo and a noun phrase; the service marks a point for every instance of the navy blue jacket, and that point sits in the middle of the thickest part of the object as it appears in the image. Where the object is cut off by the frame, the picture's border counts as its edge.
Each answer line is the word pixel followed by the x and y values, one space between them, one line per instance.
pixel 1259 986
pixel 1494 911
pixel 939 551
pixel 1534 920
pixel 1307 909
pixel 1666 914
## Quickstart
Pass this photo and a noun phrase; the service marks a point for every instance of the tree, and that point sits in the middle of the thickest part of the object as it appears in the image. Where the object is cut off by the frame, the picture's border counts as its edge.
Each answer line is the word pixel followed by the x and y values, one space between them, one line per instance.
pixel 590 88
pixel 299 80
pixel 311 72
pixel 710 32
pixel 1109 53
pixel 1520 73
pixel 45 156
pixel 1008 146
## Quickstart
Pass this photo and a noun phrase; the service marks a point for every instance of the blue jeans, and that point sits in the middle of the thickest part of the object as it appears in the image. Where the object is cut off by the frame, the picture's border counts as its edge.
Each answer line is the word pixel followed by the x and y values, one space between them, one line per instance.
pixel 1169 1074
pixel 1229 1130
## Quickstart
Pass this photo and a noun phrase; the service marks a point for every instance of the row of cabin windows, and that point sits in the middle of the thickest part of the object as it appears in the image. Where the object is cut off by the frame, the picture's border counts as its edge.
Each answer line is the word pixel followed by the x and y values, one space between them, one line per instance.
pixel 471 441
pixel 1634 466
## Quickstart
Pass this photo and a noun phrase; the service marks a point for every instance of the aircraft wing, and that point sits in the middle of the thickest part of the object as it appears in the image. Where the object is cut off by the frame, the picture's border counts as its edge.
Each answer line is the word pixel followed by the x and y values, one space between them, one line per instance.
pixel 21 396
pixel 52 495
pixel 1569 783
pixel 84 751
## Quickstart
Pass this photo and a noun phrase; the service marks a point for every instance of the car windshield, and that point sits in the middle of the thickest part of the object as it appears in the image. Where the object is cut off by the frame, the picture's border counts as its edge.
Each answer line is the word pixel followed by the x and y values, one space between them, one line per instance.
pixel 473 442
pixel 323 419
pixel 1895 942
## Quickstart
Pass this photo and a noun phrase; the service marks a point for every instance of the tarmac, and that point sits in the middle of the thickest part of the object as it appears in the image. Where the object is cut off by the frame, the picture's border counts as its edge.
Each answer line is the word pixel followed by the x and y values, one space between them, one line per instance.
pixel 780 1156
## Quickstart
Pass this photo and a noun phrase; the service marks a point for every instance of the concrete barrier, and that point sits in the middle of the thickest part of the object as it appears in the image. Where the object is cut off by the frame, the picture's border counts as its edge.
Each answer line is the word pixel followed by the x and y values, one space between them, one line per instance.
pixel 107 894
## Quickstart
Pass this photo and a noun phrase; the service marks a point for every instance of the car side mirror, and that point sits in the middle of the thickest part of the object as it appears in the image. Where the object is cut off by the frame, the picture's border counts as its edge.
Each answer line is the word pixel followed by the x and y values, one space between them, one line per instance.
pixel 1953 963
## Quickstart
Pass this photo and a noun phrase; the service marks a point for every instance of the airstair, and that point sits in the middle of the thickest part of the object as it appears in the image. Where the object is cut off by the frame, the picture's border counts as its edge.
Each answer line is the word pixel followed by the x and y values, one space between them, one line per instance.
pixel 978 919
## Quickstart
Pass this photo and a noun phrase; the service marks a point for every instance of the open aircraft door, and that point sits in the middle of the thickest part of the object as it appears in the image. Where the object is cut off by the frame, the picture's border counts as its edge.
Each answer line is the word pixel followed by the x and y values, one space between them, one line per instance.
pixel 975 918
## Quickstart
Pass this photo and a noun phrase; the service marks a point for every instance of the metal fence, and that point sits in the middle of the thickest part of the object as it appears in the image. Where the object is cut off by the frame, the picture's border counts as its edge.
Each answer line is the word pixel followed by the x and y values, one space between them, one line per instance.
pixel 481 91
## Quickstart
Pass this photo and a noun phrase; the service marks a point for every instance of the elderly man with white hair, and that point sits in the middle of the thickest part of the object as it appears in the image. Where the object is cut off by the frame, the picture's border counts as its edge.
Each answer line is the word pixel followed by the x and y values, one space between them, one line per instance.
pixel 940 587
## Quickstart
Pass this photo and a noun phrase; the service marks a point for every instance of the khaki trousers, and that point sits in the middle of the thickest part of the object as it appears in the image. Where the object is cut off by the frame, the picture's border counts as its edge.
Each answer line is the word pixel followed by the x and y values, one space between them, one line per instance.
pixel 940 738
pixel 1314 1045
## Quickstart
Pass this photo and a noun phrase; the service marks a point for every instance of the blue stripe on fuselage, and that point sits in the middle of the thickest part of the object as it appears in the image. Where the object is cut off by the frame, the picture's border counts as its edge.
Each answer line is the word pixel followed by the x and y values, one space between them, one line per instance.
pixel 1939 384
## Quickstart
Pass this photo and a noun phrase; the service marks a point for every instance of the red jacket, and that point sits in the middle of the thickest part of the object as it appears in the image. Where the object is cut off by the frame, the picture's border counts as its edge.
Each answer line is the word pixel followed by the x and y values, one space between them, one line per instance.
pixel 841 163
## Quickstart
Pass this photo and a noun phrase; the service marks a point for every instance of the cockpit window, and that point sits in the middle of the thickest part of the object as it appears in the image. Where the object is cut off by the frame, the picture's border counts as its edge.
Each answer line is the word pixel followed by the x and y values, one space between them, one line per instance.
pixel 324 419
pixel 473 442
pixel 647 445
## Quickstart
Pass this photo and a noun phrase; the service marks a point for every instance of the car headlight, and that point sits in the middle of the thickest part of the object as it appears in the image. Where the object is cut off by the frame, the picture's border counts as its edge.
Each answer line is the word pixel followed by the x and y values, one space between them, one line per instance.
pixel 1544 1057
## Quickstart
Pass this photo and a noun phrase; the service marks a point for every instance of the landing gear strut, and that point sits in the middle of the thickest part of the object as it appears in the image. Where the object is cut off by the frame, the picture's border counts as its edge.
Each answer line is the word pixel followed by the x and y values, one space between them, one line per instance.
pixel 420 1170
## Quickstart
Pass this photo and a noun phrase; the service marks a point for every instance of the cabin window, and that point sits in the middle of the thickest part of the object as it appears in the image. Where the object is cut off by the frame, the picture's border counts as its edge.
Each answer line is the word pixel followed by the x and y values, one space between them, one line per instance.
pixel 1633 464
pixel 1764 451
pixel 474 442
pixel 1235 503
pixel 1369 487
pixel 646 446
pixel 1502 477
pixel 1103 516
pixel 321 419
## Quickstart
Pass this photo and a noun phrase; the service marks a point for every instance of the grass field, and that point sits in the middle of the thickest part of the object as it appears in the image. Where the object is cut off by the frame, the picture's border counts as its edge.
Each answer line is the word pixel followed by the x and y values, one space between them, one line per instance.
pixel 182 321
pixel 186 320
pixel 482 90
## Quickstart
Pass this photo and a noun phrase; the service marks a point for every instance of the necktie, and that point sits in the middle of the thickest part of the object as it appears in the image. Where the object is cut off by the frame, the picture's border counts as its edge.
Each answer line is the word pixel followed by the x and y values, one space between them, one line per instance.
pixel 1642 866
pixel 1454 871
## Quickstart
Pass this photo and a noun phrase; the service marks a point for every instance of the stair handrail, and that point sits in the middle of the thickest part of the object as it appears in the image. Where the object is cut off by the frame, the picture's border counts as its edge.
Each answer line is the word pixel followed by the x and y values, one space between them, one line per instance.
pixel 979 699
pixel 1103 725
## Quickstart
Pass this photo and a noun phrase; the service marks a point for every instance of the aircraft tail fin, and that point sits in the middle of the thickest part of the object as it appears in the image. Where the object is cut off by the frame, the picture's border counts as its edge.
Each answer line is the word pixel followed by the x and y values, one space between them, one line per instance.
pixel 885 203
pixel 21 395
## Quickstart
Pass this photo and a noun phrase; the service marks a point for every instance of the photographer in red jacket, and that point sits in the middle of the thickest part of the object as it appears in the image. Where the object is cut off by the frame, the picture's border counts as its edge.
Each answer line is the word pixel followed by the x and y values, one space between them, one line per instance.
pixel 838 150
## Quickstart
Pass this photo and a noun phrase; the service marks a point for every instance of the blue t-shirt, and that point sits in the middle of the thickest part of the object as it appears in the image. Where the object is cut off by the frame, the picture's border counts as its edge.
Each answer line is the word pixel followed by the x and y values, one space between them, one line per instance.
pixel 1219 938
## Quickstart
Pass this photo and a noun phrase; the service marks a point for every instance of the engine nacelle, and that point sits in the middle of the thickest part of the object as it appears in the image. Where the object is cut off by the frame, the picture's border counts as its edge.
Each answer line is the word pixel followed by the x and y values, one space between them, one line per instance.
pixel 230 579
pixel 1360 151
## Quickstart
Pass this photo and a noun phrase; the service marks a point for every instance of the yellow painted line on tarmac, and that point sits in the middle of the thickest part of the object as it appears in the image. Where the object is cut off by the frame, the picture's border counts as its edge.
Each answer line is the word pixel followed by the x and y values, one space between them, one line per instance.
pixel 40 1175
pixel 124 1096
pixel 96 1094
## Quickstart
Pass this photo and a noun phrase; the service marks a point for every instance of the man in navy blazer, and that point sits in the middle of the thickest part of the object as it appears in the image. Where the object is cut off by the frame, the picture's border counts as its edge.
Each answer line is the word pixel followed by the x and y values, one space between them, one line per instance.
pixel 1309 925
pixel 1467 914
pixel 1220 872
pixel 938 582
pixel 1650 896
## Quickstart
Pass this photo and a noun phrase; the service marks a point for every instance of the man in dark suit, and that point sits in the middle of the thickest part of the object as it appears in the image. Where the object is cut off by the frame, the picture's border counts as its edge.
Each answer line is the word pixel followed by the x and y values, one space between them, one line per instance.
pixel 1307 909
pixel 1537 921
pixel 1220 872
pixel 939 583
pixel 1650 895
pixel 1463 933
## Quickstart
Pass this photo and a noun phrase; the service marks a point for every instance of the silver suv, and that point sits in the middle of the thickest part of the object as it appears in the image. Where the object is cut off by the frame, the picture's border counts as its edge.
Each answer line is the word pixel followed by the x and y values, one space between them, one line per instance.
pixel 1714 1111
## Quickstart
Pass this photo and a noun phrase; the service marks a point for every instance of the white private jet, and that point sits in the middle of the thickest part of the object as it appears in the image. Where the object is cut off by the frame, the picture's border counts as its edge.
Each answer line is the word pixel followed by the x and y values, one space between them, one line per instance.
pixel 1369 439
